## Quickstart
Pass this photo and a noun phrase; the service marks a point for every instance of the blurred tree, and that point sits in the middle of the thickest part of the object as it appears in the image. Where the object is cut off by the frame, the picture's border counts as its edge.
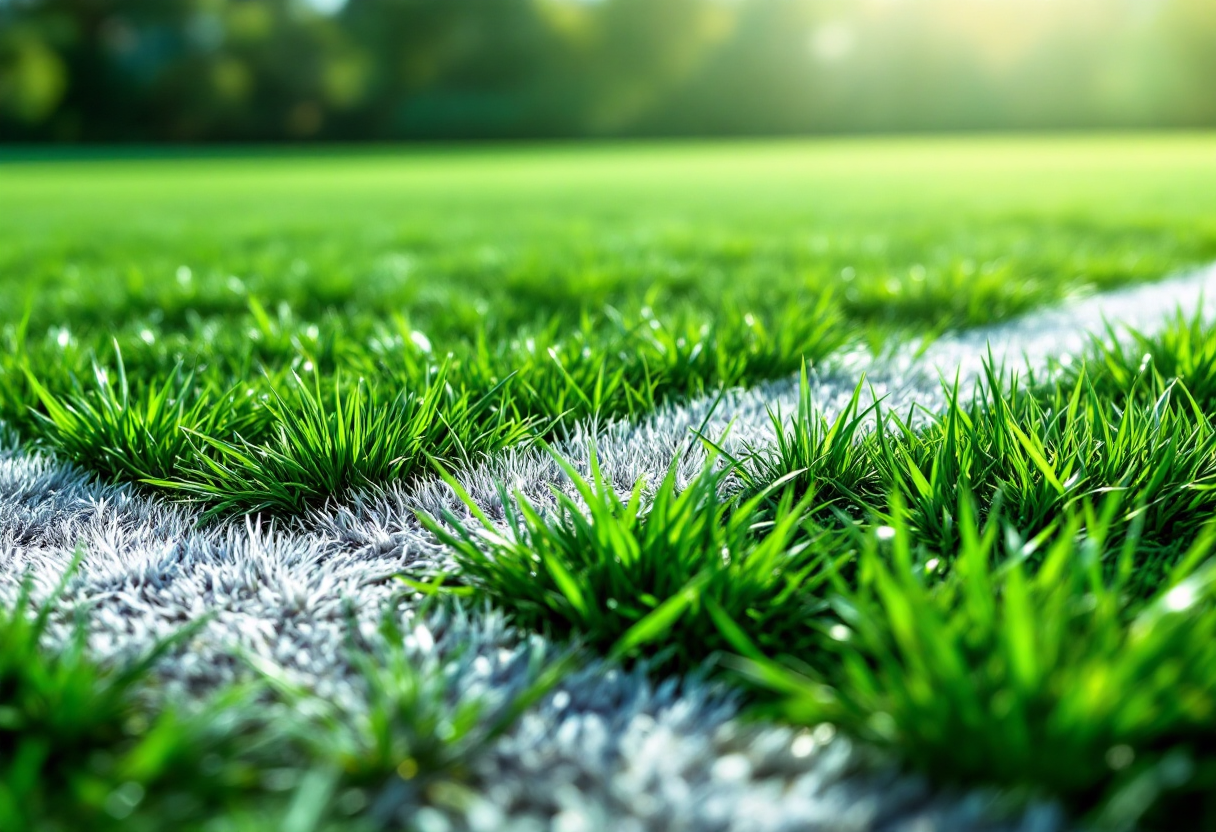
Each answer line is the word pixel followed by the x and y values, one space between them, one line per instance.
pixel 32 76
pixel 641 49
pixel 248 70
pixel 458 67
pixel 1188 27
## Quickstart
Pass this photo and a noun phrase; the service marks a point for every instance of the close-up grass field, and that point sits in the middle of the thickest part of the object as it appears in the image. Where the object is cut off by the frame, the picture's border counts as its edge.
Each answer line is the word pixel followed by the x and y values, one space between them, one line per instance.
pixel 512 276
pixel 741 485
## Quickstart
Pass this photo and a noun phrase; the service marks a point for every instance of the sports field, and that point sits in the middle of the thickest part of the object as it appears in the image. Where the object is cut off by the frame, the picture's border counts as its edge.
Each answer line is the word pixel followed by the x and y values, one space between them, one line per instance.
pixel 738 485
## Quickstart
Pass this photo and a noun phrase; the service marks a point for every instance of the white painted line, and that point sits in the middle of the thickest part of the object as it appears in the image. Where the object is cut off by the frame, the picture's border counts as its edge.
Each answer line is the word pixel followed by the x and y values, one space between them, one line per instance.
pixel 647 757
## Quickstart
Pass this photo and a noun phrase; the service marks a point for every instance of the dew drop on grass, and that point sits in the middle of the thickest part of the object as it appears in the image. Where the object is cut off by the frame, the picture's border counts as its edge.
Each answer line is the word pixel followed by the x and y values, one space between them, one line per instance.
pixel 420 341
pixel 428 819
pixel 1120 757
pixel 885 532
pixel 803 745
pixel 136 725
pixel 352 801
pixel 572 820
pixel 1179 598
pixel 122 801
pixel 424 639
pixel 884 725
pixel 823 733
pixel 732 767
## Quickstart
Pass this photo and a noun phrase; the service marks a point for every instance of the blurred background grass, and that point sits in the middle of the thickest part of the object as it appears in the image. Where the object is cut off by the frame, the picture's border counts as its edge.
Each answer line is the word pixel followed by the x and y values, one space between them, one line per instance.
pixel 253 70
pixel 512 232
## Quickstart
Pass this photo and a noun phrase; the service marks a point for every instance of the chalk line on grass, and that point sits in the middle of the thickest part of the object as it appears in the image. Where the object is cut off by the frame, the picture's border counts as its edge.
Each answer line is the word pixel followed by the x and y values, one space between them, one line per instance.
pixel 606 746
pixel 905 380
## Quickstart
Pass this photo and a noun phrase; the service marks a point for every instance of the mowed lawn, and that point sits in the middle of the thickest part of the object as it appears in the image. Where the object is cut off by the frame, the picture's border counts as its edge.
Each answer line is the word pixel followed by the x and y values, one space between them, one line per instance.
pixel 1012 593
pixel 691 265
pixel 444 232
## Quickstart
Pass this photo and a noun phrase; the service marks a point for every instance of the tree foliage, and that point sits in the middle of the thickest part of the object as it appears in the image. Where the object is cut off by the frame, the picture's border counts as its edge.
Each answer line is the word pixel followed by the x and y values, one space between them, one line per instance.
pixel 242 70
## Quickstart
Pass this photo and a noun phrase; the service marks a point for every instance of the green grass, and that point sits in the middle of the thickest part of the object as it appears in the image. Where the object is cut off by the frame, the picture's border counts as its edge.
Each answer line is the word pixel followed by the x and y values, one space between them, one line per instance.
pixel 1030 452
pixel 240 432
pixel 626 576
pixel 320 448
pixel 601 280
pixel 84 745
pixel 995 594
pixel 1048 680
pixel 81 747
pixel 1011 592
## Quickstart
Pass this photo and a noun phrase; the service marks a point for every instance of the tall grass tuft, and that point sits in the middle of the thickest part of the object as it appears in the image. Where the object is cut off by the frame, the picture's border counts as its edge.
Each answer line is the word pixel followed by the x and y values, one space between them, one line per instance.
pixel 1052 681
pixel 647 574
pixel 83 746
pixel 322 446
pixel 136 436
pixel 1028 450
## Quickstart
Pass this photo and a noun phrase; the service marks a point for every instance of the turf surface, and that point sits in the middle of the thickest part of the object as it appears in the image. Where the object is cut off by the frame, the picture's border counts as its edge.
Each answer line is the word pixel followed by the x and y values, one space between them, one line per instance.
pixel 586 281
pixel 971 587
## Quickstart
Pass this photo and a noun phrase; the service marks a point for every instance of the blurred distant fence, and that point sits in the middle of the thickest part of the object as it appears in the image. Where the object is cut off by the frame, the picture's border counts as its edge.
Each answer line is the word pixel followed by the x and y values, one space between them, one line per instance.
pixel 248 70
